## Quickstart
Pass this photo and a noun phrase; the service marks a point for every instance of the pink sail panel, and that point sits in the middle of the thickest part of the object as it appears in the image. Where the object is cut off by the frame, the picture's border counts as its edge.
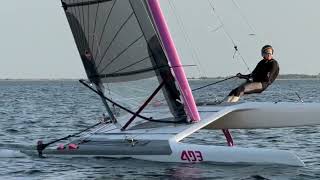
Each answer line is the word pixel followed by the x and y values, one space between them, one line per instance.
pixel 174 59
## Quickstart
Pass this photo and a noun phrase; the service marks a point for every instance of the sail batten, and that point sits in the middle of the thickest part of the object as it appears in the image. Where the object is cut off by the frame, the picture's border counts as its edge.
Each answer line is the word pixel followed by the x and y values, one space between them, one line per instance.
pixel 130 65
pixel 123 51
pixel 104 27
pixel 116 74
pixel 115 36
pixel 94 26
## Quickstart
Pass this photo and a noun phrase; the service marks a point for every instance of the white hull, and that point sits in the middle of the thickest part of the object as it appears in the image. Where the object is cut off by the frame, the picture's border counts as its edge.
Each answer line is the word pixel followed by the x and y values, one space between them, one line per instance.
pixel 161 142
pixel 192 153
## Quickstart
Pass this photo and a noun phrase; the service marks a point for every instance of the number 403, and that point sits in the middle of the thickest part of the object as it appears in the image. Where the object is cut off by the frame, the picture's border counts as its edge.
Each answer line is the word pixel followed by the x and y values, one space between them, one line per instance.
pixel 191 156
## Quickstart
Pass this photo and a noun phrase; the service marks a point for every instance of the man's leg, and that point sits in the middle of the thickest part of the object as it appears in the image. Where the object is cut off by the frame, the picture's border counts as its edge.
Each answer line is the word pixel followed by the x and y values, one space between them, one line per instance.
pixel 233 98
pixel 253 87
pixel 246 88
pixel 234 95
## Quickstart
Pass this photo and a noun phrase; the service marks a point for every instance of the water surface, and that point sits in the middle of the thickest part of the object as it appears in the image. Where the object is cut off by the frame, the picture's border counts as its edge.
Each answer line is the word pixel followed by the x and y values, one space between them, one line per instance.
pixel 32 110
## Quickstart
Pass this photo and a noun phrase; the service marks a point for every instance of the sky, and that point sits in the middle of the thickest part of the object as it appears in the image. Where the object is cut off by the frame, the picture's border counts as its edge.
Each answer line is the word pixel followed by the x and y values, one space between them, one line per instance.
pixel 36 41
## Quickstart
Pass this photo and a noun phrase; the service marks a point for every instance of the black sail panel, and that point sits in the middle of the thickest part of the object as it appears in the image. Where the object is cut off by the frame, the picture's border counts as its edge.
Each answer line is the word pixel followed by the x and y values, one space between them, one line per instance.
pixel 118 43
pixel 109 33
pixel 82 46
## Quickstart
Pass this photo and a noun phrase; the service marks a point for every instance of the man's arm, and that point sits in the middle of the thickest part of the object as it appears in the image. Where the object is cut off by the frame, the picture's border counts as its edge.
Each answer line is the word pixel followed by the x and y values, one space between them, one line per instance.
pixel 274 71
pixel 248 76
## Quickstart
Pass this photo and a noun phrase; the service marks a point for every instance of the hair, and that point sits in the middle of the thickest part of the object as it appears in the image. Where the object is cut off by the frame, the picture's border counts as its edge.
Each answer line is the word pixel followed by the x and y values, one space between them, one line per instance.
pixel 264 48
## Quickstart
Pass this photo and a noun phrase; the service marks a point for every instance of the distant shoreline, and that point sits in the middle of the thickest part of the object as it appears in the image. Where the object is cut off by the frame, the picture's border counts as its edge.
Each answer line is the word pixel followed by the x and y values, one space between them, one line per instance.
pixel 32 79
pixel 280 77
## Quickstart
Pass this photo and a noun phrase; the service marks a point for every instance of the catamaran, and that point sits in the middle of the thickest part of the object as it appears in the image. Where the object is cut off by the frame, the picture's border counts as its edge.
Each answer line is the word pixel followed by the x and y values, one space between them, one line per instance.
pixel 128 53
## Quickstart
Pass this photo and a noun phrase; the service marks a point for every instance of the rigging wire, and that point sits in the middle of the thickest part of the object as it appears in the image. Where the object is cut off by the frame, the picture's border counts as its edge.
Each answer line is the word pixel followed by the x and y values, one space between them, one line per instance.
pixel 132 102
pixel 92 132
pixel 187 38
pixel 109 91
pixel 251 27
pixel 213 83
pixel 111 101
pixel 41 146
pixel 258 37
pixel 122 107
pixel 253 32
pixel 228 35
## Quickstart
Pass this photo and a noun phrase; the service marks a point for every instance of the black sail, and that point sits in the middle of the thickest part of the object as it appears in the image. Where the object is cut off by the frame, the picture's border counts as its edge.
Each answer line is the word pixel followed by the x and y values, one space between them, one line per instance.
pixel 119 45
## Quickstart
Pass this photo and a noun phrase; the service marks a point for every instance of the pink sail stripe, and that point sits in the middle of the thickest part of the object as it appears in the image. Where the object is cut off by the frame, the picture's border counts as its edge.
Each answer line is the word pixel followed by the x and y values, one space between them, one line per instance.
pixel 174 59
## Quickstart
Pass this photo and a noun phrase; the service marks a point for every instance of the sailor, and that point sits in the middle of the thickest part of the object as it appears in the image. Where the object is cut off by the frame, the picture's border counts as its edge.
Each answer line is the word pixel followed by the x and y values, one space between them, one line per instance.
pixel 261 77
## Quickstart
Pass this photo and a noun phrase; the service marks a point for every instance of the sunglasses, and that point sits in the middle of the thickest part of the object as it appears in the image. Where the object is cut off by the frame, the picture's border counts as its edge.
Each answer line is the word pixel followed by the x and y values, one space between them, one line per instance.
pixel 266 53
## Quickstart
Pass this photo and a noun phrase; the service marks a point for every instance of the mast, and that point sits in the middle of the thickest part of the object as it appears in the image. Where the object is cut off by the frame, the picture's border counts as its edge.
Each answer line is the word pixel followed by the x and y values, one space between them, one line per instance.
pixel 174 59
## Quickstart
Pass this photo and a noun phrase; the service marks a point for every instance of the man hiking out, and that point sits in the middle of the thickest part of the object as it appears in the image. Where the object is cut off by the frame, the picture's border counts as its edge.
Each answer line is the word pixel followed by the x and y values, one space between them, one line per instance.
pixel 261 77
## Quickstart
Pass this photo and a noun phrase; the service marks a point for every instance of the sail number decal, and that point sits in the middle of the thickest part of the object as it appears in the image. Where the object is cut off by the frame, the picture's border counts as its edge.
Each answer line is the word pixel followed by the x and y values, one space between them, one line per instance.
pixel 191 156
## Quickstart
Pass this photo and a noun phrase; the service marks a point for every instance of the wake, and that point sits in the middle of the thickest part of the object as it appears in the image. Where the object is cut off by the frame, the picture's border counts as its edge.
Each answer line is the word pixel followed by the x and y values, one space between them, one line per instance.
pixel 7 153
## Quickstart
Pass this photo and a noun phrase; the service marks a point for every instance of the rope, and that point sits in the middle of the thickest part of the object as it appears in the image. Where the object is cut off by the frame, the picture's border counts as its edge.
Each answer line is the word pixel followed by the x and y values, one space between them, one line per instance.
pixel 187 39
pixel 243 60
pixel 87 135
pixel 124 108
pixel 228 35
pixel 253 33
pixel 41 146
pixel 213 83
pixel 109 100
pixel 259 37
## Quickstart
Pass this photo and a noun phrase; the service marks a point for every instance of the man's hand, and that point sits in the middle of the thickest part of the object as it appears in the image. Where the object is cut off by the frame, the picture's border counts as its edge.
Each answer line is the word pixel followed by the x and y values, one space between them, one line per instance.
pixel 241 76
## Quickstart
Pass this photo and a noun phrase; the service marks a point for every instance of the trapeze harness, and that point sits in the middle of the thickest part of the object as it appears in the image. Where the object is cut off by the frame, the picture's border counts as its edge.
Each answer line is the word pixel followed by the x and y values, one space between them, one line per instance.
pixel 262 76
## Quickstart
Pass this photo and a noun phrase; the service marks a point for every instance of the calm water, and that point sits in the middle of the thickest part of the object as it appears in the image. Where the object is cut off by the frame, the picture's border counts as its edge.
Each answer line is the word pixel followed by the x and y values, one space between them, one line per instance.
pixel 32 110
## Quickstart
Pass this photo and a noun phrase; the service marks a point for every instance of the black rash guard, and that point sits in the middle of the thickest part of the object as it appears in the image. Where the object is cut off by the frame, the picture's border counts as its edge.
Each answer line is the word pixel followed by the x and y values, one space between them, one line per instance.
pixel 262 76
pixel 265 72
